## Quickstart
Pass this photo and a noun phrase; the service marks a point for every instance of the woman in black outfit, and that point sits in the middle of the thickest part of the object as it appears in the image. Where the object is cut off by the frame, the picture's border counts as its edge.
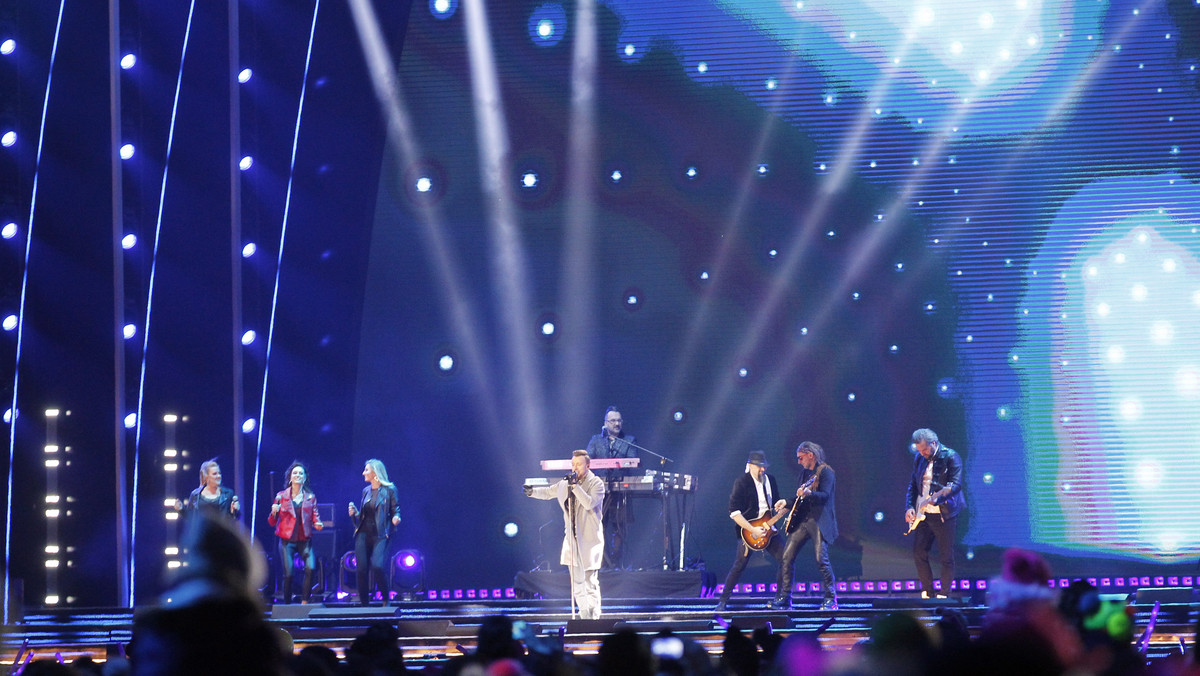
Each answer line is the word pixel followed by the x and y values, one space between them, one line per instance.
pixel 374 517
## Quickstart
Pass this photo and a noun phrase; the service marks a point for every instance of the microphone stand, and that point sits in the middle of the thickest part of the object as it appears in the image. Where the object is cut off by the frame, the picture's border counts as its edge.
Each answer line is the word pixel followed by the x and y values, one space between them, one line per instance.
pixel 662 459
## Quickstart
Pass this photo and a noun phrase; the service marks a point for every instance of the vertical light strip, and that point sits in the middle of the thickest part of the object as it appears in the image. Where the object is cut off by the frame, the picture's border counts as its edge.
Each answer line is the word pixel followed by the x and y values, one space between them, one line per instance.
pixel 162 196
pixel 287 203
pixel 12 424
pixel 118 258
pixel 235 238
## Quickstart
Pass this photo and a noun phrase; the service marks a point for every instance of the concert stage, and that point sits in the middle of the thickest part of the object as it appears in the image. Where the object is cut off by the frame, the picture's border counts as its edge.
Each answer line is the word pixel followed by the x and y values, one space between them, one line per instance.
pixel 433 631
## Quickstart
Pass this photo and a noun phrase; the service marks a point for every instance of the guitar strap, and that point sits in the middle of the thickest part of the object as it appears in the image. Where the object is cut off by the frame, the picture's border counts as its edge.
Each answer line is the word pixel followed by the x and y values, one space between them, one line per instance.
pixel 817 473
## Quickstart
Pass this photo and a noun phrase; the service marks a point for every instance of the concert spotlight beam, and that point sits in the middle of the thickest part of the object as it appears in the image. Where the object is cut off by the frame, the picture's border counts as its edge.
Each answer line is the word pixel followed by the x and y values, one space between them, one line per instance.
pixel 781 375
pixel 809 225
pixel 509 262
pixel 402 139
pixel 577 370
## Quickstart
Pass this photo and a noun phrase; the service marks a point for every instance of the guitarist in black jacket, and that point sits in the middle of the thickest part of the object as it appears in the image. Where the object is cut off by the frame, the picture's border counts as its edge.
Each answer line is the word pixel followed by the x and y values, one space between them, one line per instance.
pixel 755 495
pixel 812 518
pixel 933 502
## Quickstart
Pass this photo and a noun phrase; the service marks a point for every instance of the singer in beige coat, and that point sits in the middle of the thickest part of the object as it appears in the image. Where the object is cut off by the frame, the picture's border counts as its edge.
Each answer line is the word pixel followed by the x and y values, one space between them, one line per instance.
pixel 581 497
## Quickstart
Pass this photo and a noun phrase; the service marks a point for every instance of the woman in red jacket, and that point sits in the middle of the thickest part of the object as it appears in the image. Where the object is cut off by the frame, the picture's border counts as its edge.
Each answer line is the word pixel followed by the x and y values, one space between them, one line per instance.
pixel 295 518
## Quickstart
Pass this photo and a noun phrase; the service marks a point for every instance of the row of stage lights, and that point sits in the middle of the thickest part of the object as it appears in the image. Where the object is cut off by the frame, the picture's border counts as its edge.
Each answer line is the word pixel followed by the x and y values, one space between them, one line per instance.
pixel 10 229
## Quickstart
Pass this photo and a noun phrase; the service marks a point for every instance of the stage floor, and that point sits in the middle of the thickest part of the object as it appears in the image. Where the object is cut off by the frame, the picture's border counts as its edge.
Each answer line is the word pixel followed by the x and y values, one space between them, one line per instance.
pixel 433 631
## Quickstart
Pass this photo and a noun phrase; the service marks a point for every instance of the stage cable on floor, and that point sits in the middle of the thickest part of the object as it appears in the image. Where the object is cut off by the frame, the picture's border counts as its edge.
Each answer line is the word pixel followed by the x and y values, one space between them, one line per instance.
pixel 287 203
pixel 12 411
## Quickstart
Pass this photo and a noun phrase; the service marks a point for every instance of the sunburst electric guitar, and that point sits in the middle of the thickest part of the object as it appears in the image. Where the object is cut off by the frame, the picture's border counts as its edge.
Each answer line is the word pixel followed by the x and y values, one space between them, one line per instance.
pixel 768 521
pixel 922 504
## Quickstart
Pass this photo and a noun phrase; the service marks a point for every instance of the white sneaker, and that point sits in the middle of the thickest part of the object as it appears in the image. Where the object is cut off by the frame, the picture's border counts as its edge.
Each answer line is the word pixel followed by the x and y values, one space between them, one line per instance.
pixel 924 594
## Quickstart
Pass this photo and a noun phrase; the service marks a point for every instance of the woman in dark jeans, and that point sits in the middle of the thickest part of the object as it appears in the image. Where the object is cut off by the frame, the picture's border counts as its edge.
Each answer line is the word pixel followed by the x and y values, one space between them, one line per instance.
pixel 374 517
pixel 295 518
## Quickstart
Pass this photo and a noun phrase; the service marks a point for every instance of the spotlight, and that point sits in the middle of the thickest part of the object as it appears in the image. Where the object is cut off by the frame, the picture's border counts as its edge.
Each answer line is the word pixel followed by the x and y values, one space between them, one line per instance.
pixel 131 421
pixel 424 184
pixel 407 560
pixel 127 151
pixel 632 297
pixel 244 75
pixel 249 425
pixel 128 241
pixel 249 249
pixel 547 24
pixel 9 230
pixel 248 337
pixel 616 176
pixel 442 9
pixel 529 180
pixel 9 323
pixel 511 530
pixel 547 326
pixel 679 415
pixel 408 573
pixel 128 61
pixel 8 46
pixel 8 139
pixel 446 363
pixel 129 331
pixel 245 163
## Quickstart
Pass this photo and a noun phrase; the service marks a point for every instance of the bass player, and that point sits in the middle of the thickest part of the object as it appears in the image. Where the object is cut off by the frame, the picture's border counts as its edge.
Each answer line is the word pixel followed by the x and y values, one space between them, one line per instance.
pixel 754 497
pixel 812 518
pixel 933 502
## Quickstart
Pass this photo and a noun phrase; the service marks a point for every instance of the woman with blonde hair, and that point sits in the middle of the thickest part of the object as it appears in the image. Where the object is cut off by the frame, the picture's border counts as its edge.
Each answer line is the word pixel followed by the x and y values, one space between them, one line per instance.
pixel 374 516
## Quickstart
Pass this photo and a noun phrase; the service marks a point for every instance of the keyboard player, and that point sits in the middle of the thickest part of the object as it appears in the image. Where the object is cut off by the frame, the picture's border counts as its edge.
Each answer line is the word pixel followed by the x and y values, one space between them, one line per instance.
pixel 613 442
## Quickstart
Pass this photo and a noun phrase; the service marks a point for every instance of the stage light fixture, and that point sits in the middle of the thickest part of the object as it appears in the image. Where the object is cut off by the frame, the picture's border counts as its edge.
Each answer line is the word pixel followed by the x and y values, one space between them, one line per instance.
pixel 249 337
pixel 679 415
pixel 442 9
pixel 128 241
pixel 8 47
pixel 249 249
pixel 246 162
pixel 244 75
pixel 8 139
pixel 616 176
pixel 424 184
pixel 127 151
pixel 511 530
pixel 128 61
pixel 248 425
pixel 129 331
pixel 633 298
pixel 131 421
pixel 9 230
pixel 9 323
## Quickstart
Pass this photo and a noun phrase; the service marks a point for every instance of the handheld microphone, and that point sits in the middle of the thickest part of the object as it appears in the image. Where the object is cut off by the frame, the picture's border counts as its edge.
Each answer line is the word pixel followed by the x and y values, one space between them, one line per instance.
pixel 569 478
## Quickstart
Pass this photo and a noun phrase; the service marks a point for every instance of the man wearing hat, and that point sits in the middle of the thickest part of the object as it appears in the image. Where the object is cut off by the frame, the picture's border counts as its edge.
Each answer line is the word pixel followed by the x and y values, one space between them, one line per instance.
pixel 755 494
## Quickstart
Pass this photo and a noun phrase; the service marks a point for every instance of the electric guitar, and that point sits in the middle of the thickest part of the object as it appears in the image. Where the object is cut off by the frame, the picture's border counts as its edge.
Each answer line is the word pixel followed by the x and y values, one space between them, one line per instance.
pixel 922 504
pixel 768 521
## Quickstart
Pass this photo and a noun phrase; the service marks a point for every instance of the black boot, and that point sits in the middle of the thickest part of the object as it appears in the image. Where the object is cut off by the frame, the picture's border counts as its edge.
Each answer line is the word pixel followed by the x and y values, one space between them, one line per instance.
pixel 781 602
pixel 287 590
pixel 307 593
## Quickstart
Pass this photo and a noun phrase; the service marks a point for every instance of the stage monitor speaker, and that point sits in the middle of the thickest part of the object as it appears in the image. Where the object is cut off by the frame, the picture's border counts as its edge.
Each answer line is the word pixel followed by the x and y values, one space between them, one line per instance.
pixel 325 544
pixel 745 622
pixel 291 611
pixel 1146 596
pixel 425 628
pixel 601 626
